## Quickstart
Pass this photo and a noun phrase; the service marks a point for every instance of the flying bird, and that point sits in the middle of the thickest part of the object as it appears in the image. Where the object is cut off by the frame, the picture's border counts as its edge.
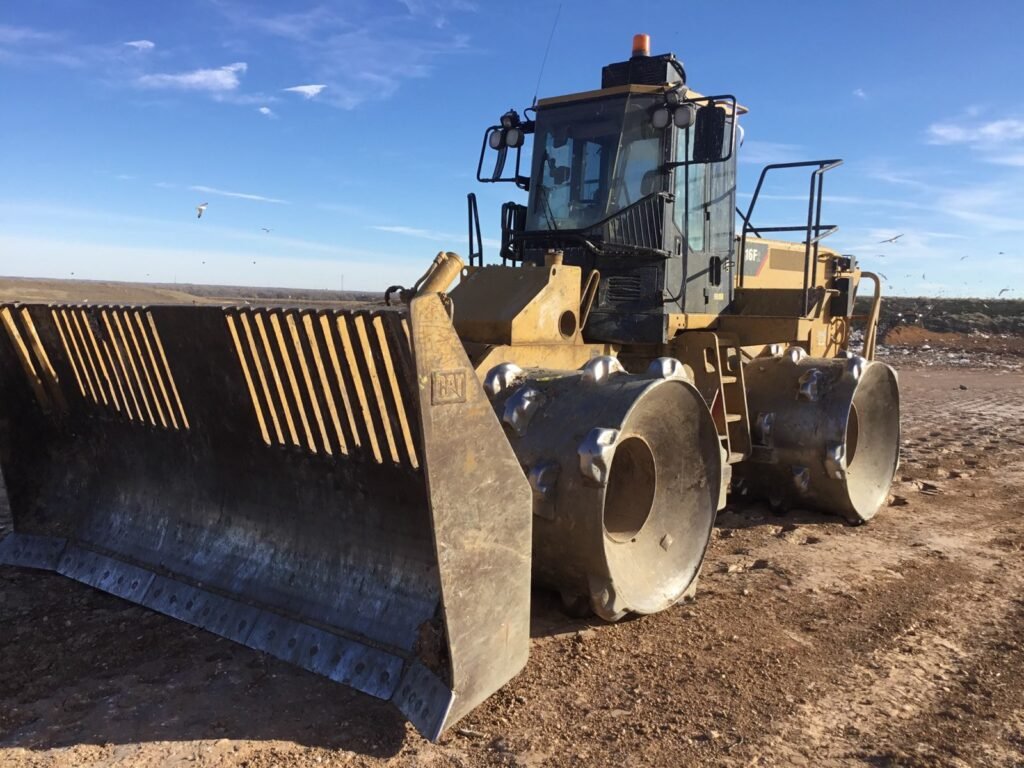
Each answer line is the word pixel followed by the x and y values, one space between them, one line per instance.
pixel 923 277
pixel 199 210
pixel 1004 290
pixel 964 257
pixel 265 230
pixel 882 276
pixel 1002 253
pixel 892 239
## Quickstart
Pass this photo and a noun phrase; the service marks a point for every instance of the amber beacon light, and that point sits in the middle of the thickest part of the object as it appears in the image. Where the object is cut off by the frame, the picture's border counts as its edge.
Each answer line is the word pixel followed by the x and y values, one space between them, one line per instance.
pixel 641 45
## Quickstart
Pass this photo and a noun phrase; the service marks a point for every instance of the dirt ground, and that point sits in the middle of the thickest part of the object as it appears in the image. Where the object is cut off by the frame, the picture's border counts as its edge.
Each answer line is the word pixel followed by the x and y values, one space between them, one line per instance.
pixel 29 289
pixel 914 336
pixel 811 642
pixel 33 289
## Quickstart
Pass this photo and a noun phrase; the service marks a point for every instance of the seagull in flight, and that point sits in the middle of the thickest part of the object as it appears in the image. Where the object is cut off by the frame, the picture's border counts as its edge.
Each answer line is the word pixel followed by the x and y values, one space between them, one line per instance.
pixel 892 239
pixel 199 210
pixel 265 230
pixel 964 257
pixel 1004 290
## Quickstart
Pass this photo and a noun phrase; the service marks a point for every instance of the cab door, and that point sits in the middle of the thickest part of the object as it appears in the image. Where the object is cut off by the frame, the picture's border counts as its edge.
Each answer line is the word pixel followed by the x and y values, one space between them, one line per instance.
pixel 704 212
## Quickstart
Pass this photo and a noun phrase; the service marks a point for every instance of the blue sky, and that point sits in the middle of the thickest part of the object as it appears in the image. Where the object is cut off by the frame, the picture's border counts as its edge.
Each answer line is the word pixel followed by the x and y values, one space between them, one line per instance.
pixel 351 130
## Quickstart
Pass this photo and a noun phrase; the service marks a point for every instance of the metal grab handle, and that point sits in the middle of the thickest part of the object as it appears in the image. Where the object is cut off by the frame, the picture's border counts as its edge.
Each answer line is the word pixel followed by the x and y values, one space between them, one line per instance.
pixel 871 319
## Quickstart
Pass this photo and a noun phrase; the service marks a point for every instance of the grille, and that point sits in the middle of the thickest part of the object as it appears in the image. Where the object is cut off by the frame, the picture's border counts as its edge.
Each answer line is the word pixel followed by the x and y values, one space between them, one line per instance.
pixel 623 288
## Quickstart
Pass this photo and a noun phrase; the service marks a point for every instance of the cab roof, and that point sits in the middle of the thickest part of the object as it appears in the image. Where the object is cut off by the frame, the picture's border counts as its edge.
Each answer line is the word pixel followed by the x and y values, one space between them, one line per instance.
pixel 621 89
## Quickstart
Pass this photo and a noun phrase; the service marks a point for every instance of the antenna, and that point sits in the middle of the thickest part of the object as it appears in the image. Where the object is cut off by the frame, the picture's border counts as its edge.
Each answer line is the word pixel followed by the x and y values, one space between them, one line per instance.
pixel 547 50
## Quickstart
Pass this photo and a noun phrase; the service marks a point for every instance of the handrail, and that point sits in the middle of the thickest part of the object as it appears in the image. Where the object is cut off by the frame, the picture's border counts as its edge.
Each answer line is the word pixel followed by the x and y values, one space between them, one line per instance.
pixel 476 242
pixel 814 230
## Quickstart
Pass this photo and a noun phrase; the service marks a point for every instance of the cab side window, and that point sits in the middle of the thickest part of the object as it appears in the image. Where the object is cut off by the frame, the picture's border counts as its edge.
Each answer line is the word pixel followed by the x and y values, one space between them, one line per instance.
pixel 690 192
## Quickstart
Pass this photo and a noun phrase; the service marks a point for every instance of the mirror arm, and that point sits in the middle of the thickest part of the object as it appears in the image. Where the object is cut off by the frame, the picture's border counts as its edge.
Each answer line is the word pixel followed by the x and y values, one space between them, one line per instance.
pixel 499 164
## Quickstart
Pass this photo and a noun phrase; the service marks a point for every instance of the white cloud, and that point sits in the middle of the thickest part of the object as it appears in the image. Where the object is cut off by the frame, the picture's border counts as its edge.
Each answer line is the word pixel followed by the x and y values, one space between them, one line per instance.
pixel 352 53
pixel 16 35
pixel 764 152
pixel 860 93
pixel 997 142
pixel 1015 160
pixel 977 134
pixel 994 206
pixel 900 178
pixel 214 80
pixel 267 112
pixel 299 27
pixel 309 91
pixel 141 45
pixel 240 195
pixel 424 234
pixel 429 234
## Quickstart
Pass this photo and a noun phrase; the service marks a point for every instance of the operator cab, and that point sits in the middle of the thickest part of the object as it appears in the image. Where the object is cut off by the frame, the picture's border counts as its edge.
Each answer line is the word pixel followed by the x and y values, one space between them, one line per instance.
pixel 636 180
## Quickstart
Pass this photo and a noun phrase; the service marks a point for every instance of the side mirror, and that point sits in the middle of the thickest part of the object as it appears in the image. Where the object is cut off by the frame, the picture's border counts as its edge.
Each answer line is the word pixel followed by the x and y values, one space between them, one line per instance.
pixel 709 134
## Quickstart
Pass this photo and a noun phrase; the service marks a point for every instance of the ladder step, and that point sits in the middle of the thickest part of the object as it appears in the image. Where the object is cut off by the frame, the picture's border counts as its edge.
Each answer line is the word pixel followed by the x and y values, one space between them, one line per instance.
pixel 728 379
pixel 733 417
pixel 734 457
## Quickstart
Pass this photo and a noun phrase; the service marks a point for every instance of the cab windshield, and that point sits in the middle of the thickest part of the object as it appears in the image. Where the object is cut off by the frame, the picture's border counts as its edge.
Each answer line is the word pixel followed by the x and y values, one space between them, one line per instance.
pixel 592 159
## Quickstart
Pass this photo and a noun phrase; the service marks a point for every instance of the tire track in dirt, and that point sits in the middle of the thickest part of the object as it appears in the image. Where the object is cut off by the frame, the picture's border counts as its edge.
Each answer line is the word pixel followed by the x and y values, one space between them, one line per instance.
pixel 972 721
pixel 919 676
pixel 896 705
pixel 725 689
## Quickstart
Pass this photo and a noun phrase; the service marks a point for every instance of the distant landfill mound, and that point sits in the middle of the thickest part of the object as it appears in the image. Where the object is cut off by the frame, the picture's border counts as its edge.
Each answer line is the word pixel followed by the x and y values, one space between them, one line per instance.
pixel 967 316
